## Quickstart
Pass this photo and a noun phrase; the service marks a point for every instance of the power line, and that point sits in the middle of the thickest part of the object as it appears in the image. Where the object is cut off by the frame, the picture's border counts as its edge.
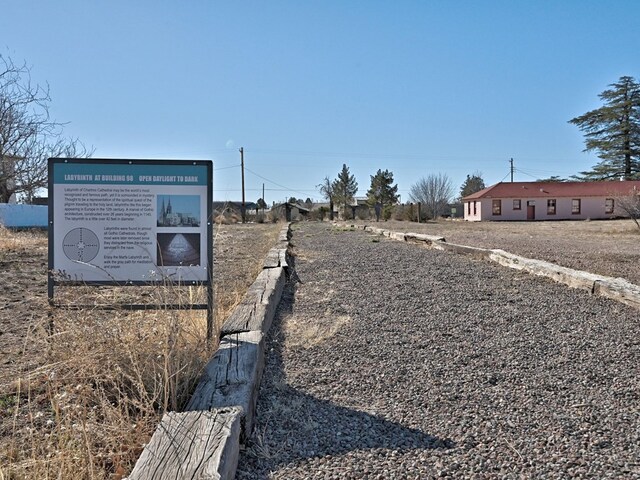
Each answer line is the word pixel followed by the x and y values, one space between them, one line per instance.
pixel 392 156
pixel 274 183
pixel 553 172
pixel 225 168
pixel 525 173
pixel 306 192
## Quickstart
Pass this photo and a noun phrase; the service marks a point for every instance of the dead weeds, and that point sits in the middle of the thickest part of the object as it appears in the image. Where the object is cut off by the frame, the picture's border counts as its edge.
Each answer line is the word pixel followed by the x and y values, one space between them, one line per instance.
pixel 308 333
pixel 81 391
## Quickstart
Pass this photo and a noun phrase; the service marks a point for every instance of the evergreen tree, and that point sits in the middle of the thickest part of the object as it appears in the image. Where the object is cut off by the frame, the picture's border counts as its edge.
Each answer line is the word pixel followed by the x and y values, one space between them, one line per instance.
pixel 383 192
pixel 552 179
pixel 344 187
pixel 474 183
pixel 613 131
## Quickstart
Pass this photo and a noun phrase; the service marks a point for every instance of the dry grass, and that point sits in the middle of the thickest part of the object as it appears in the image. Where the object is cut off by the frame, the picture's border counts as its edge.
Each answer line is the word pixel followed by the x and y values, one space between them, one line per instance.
pixel 81 402
pixel 306 333
pixel 20 241
pixel 87 412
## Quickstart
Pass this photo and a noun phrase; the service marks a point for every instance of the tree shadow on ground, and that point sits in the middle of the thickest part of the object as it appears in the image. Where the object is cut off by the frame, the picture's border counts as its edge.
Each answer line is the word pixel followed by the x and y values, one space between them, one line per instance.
pixel 292 426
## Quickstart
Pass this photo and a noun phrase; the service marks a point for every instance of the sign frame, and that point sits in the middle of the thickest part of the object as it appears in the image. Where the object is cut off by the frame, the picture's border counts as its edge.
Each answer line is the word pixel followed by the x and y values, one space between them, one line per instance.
pixel 155 185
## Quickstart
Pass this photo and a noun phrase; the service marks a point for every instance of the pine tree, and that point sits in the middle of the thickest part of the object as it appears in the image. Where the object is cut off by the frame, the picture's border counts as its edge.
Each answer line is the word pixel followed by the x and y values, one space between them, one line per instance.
pixel 344 187
pixel 474 183
pixel 383 192
pixel 613 131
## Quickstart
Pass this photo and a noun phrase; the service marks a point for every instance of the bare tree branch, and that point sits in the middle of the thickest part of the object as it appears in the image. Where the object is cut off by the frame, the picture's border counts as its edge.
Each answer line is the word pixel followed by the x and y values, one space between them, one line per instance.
pixel 630 205
pixel 28 136
pixel 433 191
pixel 326 189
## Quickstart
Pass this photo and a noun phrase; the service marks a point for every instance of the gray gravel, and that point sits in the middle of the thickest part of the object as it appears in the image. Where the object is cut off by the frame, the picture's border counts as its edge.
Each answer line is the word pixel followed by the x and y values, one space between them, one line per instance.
pixel 395 361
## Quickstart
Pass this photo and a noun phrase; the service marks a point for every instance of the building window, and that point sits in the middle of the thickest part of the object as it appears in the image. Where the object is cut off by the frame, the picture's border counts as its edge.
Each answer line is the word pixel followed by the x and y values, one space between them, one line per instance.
pixel 517 205
pixel 497 207
pixel 609 205
pixel 551 206
pixel 469 208
pixel 575 206
pixel 475 211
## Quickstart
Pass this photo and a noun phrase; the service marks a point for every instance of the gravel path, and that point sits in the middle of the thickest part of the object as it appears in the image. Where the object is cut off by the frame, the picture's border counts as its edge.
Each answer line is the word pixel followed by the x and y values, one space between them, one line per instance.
pixel 396 361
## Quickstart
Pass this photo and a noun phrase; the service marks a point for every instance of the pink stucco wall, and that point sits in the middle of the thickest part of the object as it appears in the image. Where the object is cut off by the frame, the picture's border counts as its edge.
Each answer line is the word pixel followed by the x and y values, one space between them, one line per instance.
pixel 473 210
pixel 590 207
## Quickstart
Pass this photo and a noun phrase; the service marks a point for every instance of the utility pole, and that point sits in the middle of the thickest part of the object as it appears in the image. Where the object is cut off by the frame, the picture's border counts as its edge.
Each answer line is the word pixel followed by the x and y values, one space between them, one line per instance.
pixel 264 202
pixel 243 207
pixel 511 162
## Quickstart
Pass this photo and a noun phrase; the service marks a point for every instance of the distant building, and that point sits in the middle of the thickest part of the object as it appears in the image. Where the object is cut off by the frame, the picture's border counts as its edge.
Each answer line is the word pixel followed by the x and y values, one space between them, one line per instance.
pixel 220 208
pixel 548 201
pixel 453 210
pixel 291 211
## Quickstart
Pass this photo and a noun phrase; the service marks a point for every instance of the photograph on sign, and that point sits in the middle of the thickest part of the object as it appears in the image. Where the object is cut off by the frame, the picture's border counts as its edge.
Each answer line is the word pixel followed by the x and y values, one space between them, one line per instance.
pixel 137 221
pixel 185 211
pixel 178 249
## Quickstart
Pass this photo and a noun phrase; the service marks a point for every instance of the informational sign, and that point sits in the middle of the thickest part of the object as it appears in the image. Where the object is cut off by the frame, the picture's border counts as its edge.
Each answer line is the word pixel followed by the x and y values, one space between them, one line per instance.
pixel 130 221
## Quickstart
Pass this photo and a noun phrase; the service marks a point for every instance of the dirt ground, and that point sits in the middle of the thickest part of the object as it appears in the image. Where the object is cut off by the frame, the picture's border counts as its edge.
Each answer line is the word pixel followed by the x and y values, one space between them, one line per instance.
pixel 609 247
pixel 605 247
pixel 239 251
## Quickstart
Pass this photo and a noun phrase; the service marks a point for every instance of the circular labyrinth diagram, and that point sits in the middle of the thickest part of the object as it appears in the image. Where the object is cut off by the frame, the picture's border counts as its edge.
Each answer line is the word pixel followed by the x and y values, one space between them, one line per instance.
pixel 81 245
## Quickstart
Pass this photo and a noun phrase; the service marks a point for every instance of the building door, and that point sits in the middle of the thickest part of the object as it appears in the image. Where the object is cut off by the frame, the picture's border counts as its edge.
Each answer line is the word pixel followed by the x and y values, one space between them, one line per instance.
pixel 531 211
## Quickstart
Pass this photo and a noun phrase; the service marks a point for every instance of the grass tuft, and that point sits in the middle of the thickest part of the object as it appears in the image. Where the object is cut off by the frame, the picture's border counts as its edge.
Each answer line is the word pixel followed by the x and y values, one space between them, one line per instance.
pixel 306 333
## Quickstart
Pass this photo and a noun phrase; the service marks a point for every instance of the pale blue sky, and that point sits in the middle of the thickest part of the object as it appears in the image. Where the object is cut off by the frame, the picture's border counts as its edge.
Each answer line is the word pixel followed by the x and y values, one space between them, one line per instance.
pixel 416 87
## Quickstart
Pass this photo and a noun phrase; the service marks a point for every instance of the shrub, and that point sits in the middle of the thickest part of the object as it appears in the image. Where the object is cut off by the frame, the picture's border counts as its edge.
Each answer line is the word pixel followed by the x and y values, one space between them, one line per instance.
pixel 387 211
pixel 410 212
pixel 363 213
pixel 274 215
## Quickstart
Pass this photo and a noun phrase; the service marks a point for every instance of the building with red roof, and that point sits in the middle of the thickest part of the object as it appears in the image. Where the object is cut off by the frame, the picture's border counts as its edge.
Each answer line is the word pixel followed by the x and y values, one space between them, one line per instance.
pixel 549 201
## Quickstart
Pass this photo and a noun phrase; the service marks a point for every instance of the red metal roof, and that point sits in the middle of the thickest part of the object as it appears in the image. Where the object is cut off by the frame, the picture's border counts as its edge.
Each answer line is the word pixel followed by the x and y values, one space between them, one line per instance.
pixel 556 189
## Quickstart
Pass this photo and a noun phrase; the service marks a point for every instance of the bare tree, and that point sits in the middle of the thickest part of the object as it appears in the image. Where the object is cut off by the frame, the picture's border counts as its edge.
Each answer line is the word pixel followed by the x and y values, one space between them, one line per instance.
pixel 434 192
pixel 630 205
pixel 326 189
pixel 28 136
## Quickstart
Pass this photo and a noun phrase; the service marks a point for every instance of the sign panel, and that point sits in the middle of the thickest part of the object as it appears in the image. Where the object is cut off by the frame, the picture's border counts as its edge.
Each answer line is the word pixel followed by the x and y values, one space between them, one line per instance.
pixel 130 221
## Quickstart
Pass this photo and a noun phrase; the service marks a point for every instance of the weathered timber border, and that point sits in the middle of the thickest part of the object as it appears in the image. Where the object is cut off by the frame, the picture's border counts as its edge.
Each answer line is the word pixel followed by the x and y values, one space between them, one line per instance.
pixel 617 289
pixel 204 440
